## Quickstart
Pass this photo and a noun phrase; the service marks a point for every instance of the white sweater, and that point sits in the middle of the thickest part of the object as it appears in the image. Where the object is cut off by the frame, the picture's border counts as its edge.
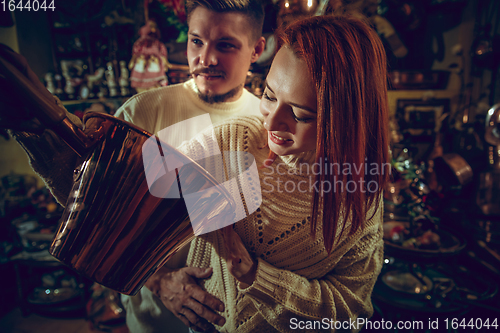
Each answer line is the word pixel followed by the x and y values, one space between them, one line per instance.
pixel 156 109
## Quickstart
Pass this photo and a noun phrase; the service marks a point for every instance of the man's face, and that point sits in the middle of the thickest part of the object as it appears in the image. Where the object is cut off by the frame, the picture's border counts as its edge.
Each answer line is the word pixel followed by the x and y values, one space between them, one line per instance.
pixel 220 53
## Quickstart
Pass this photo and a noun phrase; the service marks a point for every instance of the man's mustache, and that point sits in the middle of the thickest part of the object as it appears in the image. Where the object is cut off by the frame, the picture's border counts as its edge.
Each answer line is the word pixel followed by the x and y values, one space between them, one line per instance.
pixel 208 71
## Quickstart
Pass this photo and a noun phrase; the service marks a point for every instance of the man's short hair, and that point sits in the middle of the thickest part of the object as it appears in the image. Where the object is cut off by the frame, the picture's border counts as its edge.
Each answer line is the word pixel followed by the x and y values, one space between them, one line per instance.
pixel 252 9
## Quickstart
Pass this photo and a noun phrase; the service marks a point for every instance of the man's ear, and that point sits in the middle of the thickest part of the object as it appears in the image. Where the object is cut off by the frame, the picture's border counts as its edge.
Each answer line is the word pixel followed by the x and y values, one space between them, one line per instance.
pixel 259 47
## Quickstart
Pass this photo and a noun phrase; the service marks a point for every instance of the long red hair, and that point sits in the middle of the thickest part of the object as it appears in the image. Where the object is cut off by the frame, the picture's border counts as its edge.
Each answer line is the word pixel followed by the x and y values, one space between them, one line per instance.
pixel 347 62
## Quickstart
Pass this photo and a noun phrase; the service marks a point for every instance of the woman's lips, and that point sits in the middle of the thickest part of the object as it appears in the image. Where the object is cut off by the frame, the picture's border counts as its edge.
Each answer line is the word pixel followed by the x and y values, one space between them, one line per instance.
pixel 277 139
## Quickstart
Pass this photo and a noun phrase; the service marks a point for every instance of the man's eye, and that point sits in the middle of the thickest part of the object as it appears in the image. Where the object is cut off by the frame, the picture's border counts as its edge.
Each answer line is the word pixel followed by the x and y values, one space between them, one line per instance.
pixel 196 41
pixel 226 46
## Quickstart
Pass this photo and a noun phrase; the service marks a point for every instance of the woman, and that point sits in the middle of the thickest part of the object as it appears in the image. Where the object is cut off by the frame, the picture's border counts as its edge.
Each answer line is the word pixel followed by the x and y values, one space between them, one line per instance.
pixel 309 257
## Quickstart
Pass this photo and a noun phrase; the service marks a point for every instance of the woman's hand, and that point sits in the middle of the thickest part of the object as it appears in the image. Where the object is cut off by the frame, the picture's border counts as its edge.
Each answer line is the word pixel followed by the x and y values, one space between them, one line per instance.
pixel 180 293
pixel 239 262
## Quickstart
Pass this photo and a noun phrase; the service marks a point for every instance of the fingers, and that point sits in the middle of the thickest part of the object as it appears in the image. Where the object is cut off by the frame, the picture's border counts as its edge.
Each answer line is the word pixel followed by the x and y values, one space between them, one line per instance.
pixel 93 128
pixel 205 299
pixel 181 294
pixel 205 312
pixel 184 320
pixel 195 310
pixel 240 267
pixel 201 327
pixel 191 319
pixel 200 273
pixel 193 314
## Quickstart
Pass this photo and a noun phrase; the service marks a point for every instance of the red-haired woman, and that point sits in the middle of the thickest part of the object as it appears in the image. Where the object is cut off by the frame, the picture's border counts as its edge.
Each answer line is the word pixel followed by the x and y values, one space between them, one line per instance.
pixel 309 257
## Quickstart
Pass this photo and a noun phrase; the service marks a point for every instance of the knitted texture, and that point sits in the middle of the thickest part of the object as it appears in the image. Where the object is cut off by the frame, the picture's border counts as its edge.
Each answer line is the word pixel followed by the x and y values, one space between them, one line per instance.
pixel 156 109
pixel 296 278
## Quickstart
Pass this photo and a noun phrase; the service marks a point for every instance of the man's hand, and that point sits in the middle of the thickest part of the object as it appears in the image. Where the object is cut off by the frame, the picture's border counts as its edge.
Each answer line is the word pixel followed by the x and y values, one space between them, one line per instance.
pixel 180 293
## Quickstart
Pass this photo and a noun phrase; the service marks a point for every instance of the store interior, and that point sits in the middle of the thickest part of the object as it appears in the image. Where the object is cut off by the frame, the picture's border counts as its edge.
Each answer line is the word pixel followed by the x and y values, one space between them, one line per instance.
pixel 442 205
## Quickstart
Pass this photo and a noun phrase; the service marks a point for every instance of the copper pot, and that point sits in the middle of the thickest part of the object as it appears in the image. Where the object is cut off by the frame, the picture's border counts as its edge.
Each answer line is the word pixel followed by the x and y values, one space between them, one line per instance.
pixel 114 231
pixel 453 170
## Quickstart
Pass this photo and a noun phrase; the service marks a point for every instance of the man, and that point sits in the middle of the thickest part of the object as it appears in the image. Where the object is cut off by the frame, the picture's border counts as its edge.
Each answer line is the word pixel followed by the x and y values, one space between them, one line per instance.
pixel 224 39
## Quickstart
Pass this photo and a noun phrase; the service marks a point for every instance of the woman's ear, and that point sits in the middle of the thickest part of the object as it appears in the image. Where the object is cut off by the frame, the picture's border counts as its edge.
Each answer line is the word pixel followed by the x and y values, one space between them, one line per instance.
pixel 259 47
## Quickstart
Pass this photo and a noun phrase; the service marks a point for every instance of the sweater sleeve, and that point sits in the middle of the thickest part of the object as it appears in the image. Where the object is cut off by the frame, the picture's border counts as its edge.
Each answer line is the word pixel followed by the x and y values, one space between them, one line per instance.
pixel 136 110
pixel 342 296
pixel 51 158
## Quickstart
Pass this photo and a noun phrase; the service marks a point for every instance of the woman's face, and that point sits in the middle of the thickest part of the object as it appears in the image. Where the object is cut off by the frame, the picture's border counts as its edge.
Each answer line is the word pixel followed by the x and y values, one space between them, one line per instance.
pixel 289 105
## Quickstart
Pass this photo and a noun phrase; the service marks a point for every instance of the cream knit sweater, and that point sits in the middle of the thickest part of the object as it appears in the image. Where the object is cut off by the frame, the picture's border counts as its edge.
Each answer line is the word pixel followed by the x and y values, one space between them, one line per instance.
pixel 157 109
pixel 297 282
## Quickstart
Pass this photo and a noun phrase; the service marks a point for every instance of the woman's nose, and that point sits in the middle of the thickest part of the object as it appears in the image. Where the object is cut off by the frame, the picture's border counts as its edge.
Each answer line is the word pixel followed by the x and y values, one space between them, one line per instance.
pixel 276 120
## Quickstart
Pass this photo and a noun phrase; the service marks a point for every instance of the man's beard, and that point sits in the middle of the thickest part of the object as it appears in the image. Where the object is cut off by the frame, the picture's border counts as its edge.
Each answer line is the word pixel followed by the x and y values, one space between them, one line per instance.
pixel 214 99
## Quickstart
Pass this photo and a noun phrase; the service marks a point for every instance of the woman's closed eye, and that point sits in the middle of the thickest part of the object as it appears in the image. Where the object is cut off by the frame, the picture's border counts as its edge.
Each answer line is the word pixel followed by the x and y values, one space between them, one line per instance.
pixel 302 119
pixel 297 116
pixel 265 95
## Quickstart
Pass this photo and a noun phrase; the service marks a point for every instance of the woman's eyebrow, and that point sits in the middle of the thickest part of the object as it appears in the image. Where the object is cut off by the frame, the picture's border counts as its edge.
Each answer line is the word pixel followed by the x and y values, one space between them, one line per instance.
pixel 267 85
pixel 303 107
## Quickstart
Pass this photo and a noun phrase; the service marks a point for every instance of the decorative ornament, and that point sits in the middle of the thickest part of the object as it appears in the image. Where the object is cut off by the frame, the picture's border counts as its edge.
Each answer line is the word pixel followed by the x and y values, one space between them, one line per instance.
pixel 68 87
pixel 149 59
pixel 110 80
pixel 72 71
pixel 123 80
pixel 59 91
pixel 93 81
pixel 49 80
